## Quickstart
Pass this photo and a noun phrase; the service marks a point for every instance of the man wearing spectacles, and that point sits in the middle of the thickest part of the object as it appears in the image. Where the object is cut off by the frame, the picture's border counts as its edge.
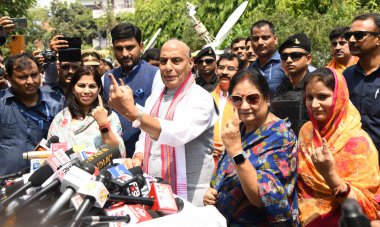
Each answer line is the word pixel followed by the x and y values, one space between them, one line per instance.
pixel 288 101
pixel 205 63
pixel 227 67
pixel 363 79
pixel 342 57
pixel 268 61
pixel 238 48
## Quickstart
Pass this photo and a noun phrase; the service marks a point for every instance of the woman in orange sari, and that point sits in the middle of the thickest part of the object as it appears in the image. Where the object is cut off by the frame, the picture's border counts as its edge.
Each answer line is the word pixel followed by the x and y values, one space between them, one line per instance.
pixel 337 159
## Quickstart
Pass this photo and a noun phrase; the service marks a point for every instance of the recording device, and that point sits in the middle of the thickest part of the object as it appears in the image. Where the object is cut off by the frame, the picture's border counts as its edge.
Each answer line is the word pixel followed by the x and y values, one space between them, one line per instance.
pixel 49 56
pixel 72 52
pixel 17 44
pixel 19 23
pixel 352 215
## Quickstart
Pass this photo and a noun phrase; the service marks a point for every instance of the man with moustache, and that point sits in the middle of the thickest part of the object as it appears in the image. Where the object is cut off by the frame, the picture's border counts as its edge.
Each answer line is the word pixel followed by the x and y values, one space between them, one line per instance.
pixel 26 112
pixel 342 57
pixel 289 100
pixel 177 124
pixel 238 47
pixel 140 76
pixel 363 79
pixel 227 66
pixel 250 54
pixel 268 61
pixel 205 62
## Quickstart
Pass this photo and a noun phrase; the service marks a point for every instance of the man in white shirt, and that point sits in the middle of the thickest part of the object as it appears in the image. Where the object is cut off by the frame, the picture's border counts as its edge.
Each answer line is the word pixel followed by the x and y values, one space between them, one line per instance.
pixel 177 142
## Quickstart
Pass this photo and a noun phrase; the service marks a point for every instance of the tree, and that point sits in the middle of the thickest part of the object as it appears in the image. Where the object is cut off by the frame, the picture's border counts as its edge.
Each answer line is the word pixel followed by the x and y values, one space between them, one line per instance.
pixel 73 20
pixel 15 8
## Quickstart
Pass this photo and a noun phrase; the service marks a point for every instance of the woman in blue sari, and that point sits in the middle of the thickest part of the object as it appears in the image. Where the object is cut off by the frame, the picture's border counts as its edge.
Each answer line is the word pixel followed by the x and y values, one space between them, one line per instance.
pixel 254 183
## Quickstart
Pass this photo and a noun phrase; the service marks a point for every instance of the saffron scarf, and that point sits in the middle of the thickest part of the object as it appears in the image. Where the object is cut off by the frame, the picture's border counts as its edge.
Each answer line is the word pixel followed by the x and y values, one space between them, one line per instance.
pixel 340 68
pixel 356 160
pixel 171 159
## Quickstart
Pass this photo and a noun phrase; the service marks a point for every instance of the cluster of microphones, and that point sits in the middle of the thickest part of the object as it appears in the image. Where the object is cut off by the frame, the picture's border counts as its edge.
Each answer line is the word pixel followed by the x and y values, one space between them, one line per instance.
pixel 72 189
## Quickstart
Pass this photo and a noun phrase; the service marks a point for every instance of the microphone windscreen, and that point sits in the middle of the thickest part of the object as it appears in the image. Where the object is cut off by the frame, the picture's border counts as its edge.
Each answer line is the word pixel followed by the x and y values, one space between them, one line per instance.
pixel 180 203
pixel 153 214
pixel 53 139
pixel 40 175
pixel 136 170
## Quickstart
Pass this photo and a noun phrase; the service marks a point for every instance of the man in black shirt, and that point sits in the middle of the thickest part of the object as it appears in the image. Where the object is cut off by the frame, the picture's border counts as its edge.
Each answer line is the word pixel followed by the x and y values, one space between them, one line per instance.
pixel 205 63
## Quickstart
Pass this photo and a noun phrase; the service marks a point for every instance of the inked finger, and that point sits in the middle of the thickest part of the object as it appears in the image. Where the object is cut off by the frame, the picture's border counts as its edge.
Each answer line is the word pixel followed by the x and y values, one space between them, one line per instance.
pixel 113 82
pixel 121 82
pixel 100 101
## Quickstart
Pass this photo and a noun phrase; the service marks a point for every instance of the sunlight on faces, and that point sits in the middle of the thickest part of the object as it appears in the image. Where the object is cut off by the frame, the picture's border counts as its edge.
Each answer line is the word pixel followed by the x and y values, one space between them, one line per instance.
pixel 368 43
pixel 225 71
pixel 175 63
pixel 340 49
pixel 319 99
pixel 26 78
pixel 86 91
pixel 127 52
pixel 295 65
pixel 263 41
pixel 239 49
pixel 254 114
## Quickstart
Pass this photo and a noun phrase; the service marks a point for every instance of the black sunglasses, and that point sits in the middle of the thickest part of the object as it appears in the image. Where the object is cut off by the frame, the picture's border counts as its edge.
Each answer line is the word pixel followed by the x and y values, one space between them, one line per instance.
pixel 359 35
pixel 295 56
pixel 208 61
pixel 252 99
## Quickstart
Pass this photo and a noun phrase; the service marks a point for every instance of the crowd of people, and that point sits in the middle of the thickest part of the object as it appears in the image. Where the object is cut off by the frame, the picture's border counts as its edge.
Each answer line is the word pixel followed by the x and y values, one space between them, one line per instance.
pixel 257 132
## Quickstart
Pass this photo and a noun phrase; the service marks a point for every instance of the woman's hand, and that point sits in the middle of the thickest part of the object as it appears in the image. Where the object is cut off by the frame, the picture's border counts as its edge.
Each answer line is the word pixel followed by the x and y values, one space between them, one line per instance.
pixel 323 160
pixel 100 114
pixel 218 149
pixel 211 197
pixel 231 135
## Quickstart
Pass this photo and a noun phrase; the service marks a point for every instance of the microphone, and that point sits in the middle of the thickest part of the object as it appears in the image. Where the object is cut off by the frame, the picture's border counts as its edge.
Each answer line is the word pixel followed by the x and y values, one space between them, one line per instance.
pixel 36 154
pixel 137 213
pixel 352 215
pixel 35 180
pixel 53 139
pixel 15 175
pixel 71 182
pixel 92 220
pixel 96 195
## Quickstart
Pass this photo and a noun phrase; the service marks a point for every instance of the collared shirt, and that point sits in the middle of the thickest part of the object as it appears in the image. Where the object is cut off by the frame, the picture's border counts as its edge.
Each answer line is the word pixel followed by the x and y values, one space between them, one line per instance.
pixel 208 86
pixel 272 72
pixel 142 79
pixel 55 92
pixel 365 95
pixel 289 102
pixel 19 132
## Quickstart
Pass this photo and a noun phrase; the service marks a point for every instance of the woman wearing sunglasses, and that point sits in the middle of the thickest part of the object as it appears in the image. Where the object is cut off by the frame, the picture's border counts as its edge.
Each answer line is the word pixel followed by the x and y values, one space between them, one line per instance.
pixel 86 121
pixel 337 159
pixel 254 182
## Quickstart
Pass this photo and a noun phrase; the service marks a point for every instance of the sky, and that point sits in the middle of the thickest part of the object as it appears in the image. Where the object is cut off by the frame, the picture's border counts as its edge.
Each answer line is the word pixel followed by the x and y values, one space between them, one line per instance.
pixel 44 3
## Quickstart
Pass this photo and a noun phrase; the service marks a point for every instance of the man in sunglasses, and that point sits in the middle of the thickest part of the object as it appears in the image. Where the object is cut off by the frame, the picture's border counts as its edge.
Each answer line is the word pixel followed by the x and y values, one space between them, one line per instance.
pixel 205 63
pixel 363 79
pixel 342 57
pixel 238 48
pixel 288 101
pixel 268 61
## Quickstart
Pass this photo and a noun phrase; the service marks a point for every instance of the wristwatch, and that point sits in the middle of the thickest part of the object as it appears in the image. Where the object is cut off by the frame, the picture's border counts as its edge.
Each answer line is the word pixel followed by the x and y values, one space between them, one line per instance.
pixel 104 128
pixel 239 158
pixel 136 123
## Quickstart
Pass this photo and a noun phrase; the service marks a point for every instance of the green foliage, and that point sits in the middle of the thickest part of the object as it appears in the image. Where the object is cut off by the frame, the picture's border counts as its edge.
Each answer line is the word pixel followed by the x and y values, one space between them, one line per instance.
pixel 73 20
pixel 15 8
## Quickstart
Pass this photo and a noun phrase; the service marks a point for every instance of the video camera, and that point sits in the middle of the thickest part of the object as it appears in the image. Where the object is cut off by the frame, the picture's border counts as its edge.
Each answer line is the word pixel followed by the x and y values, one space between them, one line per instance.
pixel 49 56
pixel 19 23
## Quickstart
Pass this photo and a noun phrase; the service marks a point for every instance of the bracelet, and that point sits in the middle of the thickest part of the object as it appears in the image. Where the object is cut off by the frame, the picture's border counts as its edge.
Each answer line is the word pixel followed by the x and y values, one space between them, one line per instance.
pixel 342 191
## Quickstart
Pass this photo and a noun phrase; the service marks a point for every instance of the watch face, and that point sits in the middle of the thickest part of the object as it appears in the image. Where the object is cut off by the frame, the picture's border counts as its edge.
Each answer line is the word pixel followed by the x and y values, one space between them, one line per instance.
pixel 104 130
pixel 239 159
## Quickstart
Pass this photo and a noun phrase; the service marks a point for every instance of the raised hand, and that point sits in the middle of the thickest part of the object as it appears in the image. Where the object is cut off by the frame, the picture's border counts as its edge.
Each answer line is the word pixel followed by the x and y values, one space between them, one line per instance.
pixel 231 135
pixel 323 159
pixel 56 44
pixel 121 99
pixel 7 24
pixel 100 114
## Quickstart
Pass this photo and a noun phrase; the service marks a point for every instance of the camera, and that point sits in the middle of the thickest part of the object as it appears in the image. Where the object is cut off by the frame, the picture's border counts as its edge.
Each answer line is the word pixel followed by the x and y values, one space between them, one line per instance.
pixel 49 56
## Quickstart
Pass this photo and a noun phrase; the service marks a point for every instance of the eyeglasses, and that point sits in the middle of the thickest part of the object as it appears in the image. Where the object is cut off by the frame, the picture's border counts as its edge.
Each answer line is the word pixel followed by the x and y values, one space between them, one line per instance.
pixel 208 61
pixel 359 35
pixel 229 68
pixel 68 66
pixel 252 99
pixel 295 56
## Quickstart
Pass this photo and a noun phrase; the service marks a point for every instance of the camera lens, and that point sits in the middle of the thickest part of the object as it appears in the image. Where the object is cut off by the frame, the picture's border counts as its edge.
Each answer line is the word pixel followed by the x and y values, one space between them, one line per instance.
pixel 14 38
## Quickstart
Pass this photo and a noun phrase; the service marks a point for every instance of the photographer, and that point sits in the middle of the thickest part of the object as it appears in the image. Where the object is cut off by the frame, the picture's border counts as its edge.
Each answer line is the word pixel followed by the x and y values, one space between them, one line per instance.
pixel 6 27
pixel 58 74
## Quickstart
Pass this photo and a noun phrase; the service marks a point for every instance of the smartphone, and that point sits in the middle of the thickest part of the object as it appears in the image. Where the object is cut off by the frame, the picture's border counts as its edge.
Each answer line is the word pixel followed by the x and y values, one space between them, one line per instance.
pixel 20 23
pixel 16 44
pixel 73 42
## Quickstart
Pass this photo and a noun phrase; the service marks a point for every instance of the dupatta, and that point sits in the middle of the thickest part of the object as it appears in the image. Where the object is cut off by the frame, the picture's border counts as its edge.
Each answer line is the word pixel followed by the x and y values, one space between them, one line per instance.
pixel 356 159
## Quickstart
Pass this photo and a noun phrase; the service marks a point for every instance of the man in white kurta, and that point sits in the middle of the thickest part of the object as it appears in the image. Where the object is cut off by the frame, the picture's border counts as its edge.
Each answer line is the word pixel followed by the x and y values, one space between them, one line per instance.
pixel 177 124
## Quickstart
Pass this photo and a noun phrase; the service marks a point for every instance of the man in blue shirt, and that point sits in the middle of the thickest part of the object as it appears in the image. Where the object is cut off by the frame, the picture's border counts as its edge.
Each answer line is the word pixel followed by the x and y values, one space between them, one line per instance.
pixel 363 79
pixel 268 60
pixel 26 112
pixel 138 74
